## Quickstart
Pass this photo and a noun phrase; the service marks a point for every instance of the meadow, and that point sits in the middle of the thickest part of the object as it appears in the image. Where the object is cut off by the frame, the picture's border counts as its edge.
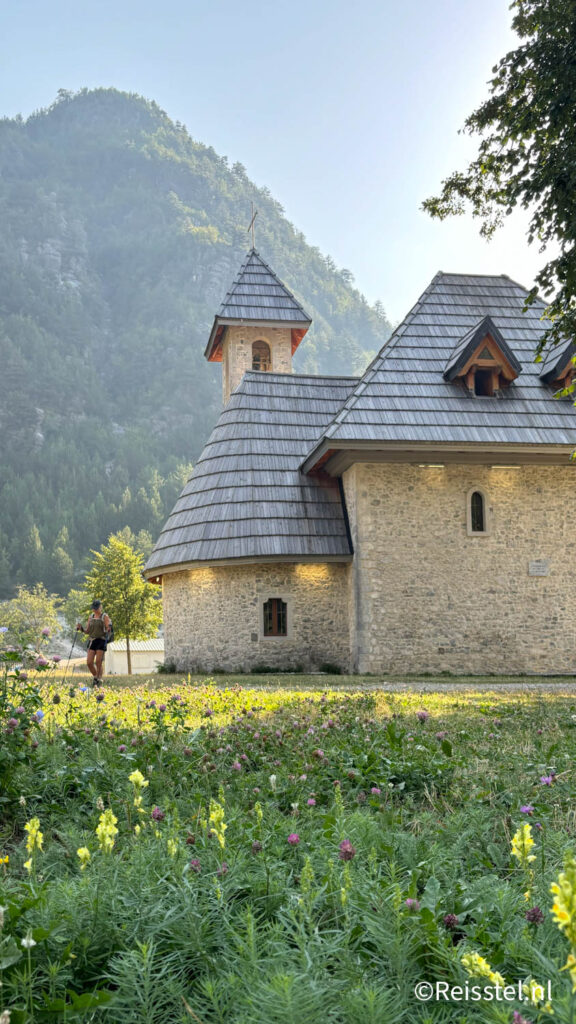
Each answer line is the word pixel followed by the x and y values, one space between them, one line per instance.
pixel 260 852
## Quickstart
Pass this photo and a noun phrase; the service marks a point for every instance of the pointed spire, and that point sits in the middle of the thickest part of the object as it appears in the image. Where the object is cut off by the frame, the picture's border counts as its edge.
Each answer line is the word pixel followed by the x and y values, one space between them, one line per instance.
pixel 258 297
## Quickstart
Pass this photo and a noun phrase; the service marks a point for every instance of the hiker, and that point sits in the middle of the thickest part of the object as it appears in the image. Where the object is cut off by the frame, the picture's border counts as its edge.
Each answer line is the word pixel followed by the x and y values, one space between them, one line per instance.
pixel 97 628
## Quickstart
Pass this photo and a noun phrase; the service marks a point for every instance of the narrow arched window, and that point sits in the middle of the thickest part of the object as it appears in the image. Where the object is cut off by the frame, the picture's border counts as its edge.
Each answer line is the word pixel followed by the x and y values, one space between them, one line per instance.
pixel 477 513
pixel 275 617
pixel 261 358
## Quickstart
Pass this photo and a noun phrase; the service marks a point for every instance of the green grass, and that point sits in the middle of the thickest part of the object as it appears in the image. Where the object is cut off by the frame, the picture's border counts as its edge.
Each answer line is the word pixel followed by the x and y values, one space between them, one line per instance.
pixel 262 930
pixel 320 680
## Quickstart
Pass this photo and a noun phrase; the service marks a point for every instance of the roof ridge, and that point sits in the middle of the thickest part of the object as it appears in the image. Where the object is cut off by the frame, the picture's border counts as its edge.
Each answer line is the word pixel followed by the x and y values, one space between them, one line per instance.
pixel 308 376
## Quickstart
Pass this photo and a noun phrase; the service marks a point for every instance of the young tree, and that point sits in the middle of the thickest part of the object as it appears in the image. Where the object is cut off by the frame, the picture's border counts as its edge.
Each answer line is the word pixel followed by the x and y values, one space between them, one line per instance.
pixel 133 604
pixel 27 615
pixel 527 153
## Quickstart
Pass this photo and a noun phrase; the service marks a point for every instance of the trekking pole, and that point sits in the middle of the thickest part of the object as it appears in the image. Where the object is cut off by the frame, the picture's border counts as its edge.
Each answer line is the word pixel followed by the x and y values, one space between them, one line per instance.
pixel 69 656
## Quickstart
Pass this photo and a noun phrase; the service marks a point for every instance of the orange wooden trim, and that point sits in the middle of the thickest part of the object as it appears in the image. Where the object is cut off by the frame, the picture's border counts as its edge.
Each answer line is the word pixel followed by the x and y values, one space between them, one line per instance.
pixel 297 334
pixel 504 367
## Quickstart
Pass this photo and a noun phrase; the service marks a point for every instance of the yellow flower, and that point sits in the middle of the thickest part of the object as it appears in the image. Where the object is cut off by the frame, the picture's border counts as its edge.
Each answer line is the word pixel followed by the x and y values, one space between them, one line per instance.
pixel 35 836
pixel 564 906
pixel 107 830
pixel 5 860
pixel 138 780
pixel 522 843
pixel 217 821
pixel 84 854
pixel 172 847
pixel 137 829
pixel 477 967
pixel 28 864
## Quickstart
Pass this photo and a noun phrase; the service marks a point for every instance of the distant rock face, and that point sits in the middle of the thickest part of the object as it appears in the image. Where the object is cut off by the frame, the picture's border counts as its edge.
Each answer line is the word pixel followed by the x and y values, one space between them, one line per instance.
pixel 120 237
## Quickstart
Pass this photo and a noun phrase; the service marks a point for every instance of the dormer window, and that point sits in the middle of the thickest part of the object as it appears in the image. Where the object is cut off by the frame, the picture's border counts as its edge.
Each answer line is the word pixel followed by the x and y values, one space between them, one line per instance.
pixel 261 358
pixel 483 361
pixel 558 369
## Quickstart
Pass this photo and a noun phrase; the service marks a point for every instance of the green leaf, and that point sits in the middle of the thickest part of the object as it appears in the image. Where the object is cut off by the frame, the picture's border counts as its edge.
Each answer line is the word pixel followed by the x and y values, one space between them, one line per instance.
pixel 446 748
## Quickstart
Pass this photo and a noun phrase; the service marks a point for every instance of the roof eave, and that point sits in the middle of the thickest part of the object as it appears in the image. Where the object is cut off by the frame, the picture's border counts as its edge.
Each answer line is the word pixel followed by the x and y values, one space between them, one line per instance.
pixel 217 334
pixel 163 570
pixel 343 454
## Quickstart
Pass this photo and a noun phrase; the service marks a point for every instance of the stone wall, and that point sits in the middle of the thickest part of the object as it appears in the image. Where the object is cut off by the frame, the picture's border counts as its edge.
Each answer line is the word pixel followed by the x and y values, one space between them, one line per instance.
pixel 213 617
pixel 429 597
pixel 237 353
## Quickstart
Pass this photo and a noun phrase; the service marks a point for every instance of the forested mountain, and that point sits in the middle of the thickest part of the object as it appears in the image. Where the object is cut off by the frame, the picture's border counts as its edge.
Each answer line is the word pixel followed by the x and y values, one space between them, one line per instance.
pixel 119 236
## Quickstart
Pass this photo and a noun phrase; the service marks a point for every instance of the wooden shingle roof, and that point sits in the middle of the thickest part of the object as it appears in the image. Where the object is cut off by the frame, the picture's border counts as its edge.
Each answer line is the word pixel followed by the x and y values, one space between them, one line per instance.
pixel 404 398
pixel 258 296
pixel 247 498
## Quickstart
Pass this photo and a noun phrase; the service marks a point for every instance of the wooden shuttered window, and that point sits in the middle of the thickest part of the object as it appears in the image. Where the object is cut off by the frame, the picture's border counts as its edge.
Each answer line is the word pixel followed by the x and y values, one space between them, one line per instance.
pixel 275 617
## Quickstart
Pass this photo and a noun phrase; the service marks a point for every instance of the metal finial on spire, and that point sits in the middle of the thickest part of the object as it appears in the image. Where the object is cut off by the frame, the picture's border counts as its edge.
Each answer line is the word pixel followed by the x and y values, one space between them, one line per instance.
pixel 251 225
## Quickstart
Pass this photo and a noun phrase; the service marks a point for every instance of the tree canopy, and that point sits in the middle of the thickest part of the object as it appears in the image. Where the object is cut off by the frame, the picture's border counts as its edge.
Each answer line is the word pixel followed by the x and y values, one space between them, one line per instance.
pixel 132 603
pixel 527 153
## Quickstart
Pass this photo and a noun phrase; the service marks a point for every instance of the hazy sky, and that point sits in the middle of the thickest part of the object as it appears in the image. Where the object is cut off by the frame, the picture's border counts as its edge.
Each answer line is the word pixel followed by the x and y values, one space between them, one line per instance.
pixel 348 111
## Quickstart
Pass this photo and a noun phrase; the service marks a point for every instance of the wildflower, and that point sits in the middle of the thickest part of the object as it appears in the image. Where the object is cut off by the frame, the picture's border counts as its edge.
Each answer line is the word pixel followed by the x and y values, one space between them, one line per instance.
pixel 441 736
pixel 172 847
pixel 517 1018
pixel 46 631
pixel 100 804
pixel 28 942
pixel 534 915
pixel 3 629
pixel 139 783
pixel 451 922
pixel 477 967
pixel 273 783
pixel 39 715
pixel 56 658
pixel 106 831
pixel 347 851
pixel 375 791
pixel 28 864
pixel 195 865
pixel 158 814
pixel 411 904
pixel 84 854
pixel 526 809
pixel 293 839
pixel 522 843
pixel 217 821
pixel 41 662
pixel 137 830
pixel 5 1017
pixel 422 716
pixel 318 753
pixel 35 836
pixel 311 802
pixel 222 870
pixel 547 780
pixel 122 748
pixel 2 910
pixel 564 906
pixel 256 846
pixel 4 860
pixel 237 766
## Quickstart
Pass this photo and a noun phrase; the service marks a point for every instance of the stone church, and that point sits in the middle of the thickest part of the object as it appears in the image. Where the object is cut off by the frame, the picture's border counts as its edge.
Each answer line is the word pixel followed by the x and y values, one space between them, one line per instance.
pixel 419 518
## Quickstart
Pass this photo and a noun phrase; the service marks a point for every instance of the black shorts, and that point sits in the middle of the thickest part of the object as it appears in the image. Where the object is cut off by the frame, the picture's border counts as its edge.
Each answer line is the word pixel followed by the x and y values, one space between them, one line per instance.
pixel 97 645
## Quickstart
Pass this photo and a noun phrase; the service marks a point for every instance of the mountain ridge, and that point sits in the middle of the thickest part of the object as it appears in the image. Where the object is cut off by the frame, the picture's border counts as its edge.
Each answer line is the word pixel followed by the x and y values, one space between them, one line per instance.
pixel 121 235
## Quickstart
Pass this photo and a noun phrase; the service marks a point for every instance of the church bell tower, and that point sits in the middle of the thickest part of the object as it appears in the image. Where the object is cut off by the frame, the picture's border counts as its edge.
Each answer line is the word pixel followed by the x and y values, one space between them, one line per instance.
pixel 259 326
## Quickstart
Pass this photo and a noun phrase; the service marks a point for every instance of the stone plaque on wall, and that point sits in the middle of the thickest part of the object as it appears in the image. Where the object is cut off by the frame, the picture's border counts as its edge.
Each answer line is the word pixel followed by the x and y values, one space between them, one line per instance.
pixel 539 567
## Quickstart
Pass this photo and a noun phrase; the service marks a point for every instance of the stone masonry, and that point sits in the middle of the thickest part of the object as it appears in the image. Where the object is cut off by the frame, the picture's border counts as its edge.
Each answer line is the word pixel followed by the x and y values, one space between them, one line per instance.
pixel 427 596
pixel 237 353
pixel 214 617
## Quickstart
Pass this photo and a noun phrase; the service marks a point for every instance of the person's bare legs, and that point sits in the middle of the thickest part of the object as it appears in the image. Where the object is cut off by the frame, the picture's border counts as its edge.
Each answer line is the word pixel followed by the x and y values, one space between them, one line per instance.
pixel 99 664
pixel 90 656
